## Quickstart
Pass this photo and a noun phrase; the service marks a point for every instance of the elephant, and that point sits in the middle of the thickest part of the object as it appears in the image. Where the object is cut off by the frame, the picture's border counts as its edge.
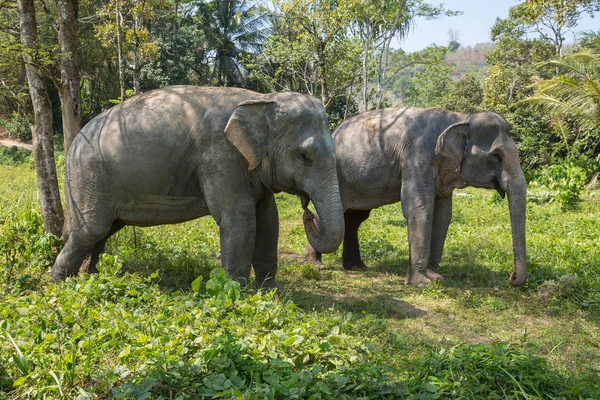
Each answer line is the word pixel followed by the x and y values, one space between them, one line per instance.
pixel 418 156
pixel 181 152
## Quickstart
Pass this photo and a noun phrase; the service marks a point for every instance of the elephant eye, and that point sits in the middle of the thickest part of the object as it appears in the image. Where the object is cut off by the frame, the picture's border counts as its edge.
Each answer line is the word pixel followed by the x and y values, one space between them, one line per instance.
pixel 304 158
pixel 497 156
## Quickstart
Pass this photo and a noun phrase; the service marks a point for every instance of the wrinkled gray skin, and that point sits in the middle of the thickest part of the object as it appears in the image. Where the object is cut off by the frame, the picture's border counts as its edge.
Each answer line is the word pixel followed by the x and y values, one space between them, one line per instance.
pixel 419 156
pixel 181 152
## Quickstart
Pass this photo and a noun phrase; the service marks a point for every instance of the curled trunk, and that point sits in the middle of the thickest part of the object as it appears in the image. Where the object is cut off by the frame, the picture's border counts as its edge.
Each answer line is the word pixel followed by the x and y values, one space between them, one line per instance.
pixel 325 229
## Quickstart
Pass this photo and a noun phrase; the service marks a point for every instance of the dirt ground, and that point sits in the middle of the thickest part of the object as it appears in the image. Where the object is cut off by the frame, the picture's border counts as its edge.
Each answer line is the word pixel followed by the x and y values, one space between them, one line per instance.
pixel 7 141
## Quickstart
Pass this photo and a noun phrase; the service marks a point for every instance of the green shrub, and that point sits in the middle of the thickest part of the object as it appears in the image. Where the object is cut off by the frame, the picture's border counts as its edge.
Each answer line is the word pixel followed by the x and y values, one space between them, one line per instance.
pixel 14 155
pixel 494 371
pixel 18 127
pixel 26 251
pixel 566 181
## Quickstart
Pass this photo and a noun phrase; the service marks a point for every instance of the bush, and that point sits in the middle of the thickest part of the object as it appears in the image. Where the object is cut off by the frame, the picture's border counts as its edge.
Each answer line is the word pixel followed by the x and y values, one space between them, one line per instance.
pixel 18 127
pixel 483 371
pixel 14 155
pixel 26 251
pixel 566 181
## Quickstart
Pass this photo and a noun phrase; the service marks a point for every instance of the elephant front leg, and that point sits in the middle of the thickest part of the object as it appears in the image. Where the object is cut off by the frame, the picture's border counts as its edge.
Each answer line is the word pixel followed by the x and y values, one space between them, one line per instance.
pixel 418 207
pixel 442 214
pixel 264 258
pixel 237 233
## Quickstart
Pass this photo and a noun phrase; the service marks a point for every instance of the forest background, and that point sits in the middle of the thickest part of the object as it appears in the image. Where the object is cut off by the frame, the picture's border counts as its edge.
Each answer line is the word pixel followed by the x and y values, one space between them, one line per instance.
pixel 344 52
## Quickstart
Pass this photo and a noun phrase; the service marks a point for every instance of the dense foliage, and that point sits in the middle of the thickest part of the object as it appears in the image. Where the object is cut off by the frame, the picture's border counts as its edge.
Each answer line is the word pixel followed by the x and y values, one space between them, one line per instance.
pixel 338 51
pixel 157 323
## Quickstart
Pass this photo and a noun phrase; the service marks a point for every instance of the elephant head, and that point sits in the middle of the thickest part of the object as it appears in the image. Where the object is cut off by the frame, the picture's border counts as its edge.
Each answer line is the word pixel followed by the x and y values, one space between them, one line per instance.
pixel 285 138
pixel 482 154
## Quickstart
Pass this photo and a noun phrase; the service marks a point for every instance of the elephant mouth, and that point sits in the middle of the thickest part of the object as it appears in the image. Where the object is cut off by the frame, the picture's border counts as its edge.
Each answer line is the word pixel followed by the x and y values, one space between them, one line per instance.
pixel 308 218
pixel 305 200
pixel 499 189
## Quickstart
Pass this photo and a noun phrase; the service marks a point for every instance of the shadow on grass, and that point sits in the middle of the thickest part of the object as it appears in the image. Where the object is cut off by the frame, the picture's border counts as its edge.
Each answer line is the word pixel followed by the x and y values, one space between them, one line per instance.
pixel 380 305
pixel 463 275
pixel 175 270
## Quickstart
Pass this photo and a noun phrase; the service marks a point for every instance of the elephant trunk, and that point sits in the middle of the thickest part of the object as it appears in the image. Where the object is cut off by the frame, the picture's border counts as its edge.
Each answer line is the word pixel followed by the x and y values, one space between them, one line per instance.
pixel 325 229
pixel 516 189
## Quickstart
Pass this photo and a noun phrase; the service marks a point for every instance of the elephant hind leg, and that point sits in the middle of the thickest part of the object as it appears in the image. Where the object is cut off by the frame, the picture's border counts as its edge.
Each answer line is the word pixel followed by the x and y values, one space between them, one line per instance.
pixel 351 252
pixel 100 246
pixel 70 258
pixel 82 240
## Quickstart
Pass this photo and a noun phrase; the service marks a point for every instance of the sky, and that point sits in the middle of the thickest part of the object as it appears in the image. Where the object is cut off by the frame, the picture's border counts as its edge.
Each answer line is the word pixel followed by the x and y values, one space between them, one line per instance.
pixel 473 25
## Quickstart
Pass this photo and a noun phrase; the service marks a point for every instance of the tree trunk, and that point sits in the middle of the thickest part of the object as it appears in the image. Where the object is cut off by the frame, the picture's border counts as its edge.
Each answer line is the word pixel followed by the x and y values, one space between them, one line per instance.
pixel 364 104
pixel 43 147
pixel 70 91
pixel 137 25
pixel 383 58
pixel 119 21
pixel 324 89
pixel 322 76
pixel 70 82
pixel 136 72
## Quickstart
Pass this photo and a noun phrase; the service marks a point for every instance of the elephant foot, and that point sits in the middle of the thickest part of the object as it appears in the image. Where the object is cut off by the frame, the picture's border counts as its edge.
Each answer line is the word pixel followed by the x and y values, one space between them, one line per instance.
pixel 356 267
pixel 268 286
pixel 434 275
pixel 92 270
pixel 417 279
pixel 59 275
pixel 311 257
pixel 316 262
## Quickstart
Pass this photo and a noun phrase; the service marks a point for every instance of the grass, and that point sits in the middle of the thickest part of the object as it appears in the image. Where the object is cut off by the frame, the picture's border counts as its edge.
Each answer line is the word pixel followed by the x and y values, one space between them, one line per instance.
pixel 138 330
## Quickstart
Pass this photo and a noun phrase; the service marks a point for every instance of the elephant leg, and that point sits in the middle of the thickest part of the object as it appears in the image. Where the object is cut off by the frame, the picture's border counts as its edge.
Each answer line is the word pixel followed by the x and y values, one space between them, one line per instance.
pixel 237 235
pixel 81 242
pixel 100 246
pixel 351 251
pixel 418 206
pixel 442 214
pixel 70 258
pixel 264 259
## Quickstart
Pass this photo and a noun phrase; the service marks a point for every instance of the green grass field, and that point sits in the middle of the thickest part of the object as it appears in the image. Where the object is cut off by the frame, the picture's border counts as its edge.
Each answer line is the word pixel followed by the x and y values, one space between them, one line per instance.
pixel 138 330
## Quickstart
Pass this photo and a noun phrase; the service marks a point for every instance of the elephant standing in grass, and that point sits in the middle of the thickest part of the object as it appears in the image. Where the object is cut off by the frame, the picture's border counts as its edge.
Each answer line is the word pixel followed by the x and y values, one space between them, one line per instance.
pixel 181 152
pixel 418 157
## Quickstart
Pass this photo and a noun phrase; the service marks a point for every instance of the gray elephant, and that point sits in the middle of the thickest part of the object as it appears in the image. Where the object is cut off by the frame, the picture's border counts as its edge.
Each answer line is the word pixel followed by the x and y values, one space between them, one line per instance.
pixel 419 156
pixel 182 152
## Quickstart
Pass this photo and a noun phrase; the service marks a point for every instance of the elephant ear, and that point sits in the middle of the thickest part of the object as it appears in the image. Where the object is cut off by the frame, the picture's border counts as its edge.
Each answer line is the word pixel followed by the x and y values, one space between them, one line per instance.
pixel 453 141
pixel 450 151
pixel 249 130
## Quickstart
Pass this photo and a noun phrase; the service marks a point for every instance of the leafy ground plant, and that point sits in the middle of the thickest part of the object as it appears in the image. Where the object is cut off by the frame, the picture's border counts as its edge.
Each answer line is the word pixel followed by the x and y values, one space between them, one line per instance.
pixel 566 183
pixel 162 321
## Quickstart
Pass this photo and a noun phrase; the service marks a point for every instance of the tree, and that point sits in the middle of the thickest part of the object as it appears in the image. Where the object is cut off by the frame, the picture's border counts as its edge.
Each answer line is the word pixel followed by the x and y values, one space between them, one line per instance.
pixel 70 84
pixel 312 49
pixel 514 61
pixel 13 85
pixel 233 28
pixel 377 22
pixel 572 99
pixel 43 147
pixel 553 19
pixel 428 82
pixel 124 30
pixel 465 95
pixel 453 43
